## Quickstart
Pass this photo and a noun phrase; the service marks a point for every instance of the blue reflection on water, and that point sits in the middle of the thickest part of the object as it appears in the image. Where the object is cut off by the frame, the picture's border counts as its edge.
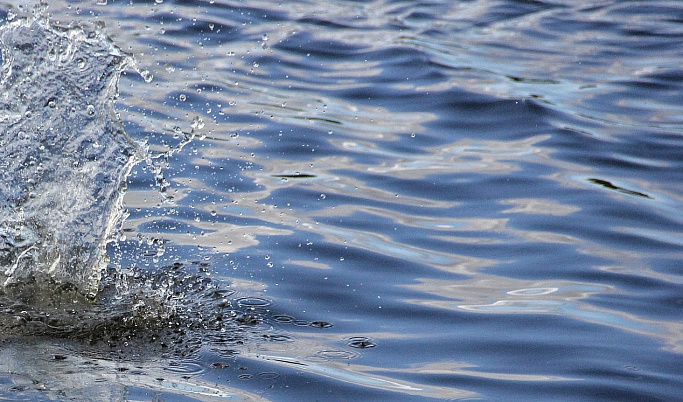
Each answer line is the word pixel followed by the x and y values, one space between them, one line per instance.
pixel 489 192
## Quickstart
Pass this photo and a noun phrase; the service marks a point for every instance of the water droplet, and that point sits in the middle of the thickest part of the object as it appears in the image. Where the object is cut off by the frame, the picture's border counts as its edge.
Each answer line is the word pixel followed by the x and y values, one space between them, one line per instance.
pixel 146 75
pixel 90 109
pixel 197 123
pixel 182 97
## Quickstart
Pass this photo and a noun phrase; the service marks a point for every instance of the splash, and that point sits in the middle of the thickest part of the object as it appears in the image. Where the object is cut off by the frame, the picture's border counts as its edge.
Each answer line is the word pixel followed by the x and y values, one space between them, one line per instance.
pixel 64 155
pixel 64 160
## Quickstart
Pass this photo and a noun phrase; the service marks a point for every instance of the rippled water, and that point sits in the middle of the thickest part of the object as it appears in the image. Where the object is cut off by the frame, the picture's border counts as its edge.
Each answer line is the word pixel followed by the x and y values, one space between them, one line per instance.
pixel 360 200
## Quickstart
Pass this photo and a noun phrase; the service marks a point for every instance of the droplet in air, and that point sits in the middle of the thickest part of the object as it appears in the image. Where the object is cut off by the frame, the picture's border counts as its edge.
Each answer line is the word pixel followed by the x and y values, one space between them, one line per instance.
pixel 197 123
pixel 146 75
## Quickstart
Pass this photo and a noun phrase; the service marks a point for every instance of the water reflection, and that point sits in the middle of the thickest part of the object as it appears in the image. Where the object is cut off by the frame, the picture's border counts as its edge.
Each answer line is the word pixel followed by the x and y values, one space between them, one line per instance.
pixel 410 199
pixel 47 371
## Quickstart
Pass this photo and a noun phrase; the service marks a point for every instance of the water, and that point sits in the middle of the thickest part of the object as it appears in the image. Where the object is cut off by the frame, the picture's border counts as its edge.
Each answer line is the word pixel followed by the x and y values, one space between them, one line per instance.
pixel 62 155
pixel 374 200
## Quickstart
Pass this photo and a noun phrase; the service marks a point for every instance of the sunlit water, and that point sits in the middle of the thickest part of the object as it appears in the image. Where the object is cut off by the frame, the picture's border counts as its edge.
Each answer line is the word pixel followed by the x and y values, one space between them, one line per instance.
pixel 358 200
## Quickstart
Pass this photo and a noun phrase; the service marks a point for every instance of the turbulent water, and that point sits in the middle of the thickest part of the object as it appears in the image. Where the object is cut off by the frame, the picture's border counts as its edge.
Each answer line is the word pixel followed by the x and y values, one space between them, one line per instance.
pixel 63 156
pixel 366 200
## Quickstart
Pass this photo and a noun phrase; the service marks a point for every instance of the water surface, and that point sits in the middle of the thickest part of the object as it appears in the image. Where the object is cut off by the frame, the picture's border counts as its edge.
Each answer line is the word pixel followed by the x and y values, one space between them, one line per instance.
pixel 377 200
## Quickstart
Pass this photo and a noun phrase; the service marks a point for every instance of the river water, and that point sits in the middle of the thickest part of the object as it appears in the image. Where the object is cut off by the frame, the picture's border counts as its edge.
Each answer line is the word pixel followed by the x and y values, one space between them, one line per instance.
pixel 341 200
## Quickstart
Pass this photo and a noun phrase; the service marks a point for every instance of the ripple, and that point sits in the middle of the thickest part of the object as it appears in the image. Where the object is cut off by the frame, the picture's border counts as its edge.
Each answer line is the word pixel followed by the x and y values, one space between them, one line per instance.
pixel 283 319
pixel 253 302
pixel 338 354
pixel 360 342
pixel 185 368
pixel 268 375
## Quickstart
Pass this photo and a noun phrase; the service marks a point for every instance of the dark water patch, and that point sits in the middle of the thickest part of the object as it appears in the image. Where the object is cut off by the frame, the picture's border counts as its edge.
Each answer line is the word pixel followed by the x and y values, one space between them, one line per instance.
pixel 611 186
pixel 323 22
pixel 295 176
